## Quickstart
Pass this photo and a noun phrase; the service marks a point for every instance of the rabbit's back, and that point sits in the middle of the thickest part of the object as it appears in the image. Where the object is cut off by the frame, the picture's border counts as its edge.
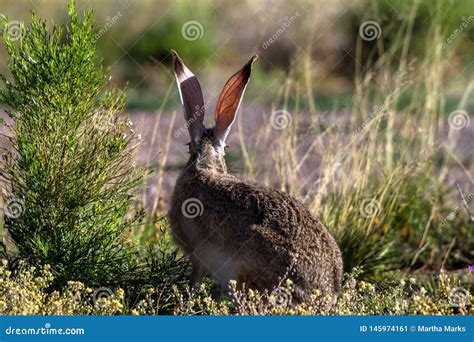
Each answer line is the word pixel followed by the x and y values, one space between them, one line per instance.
pixel 265 233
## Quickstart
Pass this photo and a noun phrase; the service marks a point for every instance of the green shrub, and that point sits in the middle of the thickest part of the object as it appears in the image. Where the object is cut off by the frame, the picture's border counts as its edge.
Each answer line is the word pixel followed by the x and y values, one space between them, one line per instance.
pixel 69 169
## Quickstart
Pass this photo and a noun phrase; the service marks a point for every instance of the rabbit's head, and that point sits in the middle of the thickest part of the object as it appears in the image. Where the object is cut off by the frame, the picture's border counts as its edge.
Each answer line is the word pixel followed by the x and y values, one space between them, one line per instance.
pixel 207 146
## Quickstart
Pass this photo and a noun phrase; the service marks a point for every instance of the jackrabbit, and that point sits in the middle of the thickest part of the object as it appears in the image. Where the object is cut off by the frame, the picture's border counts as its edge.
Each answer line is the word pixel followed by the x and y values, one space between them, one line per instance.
pixel 235 229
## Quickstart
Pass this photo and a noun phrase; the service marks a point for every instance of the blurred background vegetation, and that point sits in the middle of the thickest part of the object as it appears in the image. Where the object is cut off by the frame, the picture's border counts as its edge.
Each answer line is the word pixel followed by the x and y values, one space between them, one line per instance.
pixel 136 36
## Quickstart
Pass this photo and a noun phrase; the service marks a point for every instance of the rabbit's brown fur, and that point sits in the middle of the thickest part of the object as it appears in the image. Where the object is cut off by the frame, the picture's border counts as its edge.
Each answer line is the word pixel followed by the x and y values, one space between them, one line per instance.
pixel 245 231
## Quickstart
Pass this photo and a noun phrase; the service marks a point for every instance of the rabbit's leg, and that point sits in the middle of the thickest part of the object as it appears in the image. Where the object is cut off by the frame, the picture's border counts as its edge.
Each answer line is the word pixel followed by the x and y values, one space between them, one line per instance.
pixel 198 272
pixel 222 289
pixel 230 270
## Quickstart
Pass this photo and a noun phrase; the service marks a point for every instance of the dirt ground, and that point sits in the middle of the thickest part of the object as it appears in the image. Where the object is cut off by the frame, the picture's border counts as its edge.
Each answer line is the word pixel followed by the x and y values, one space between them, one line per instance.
pixel 164 137
pixel 154 150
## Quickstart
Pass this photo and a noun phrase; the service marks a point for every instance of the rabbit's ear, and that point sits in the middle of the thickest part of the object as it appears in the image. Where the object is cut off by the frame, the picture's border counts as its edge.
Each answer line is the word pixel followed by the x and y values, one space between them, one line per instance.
pixel 191 97
pixel 229 101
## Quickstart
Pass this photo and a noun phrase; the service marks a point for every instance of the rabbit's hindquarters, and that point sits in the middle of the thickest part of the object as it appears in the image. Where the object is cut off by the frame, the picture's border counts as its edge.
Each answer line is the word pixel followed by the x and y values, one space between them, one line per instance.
pixel 205 256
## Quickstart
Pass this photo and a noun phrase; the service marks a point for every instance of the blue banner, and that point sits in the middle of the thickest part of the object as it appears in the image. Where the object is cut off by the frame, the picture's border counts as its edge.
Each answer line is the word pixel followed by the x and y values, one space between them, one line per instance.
pixel 247 329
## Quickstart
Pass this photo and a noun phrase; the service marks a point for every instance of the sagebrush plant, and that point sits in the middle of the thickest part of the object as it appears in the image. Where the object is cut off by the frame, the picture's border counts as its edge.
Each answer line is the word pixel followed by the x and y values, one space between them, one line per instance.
pixel 70 168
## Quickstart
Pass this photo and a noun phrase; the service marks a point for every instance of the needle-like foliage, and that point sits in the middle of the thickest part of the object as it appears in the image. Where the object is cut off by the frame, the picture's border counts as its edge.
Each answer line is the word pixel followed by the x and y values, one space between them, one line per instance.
pixel 69 170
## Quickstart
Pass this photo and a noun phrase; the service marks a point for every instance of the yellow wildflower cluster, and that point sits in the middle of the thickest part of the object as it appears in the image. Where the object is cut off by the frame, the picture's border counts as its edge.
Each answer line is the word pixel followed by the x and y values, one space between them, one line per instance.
pixel 26 293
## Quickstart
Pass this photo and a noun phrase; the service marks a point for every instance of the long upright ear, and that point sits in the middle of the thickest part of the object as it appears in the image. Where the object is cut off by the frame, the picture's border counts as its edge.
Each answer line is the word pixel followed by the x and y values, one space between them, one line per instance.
pixel 229 101
pixel 191 97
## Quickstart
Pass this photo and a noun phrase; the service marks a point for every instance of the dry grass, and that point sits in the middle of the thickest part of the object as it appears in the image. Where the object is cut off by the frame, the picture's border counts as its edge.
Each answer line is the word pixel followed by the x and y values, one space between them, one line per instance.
pixel 379 170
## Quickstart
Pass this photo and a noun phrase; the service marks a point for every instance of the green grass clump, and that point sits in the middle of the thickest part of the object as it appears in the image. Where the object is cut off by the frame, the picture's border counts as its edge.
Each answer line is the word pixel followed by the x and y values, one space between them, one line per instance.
pixel 378 169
